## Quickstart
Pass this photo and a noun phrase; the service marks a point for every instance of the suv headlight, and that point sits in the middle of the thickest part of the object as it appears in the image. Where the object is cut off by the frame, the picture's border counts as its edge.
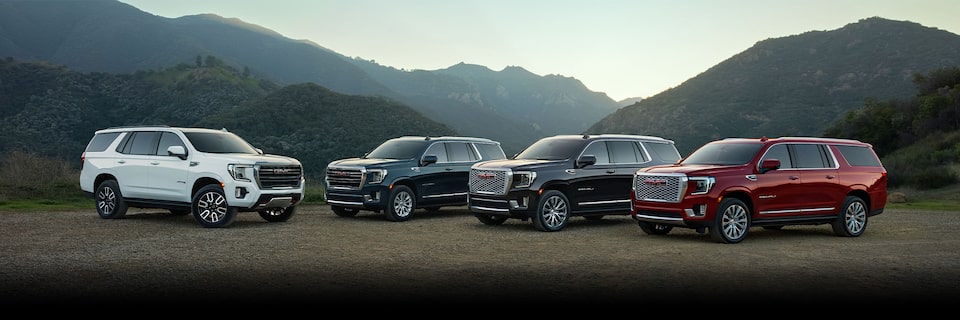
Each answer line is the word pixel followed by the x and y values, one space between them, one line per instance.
pixel 523 179
pixel 376 175
pixel 702 185
pixel 240 172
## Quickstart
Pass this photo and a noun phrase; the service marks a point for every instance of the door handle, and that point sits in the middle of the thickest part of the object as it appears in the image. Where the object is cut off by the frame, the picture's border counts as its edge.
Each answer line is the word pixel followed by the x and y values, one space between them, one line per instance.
pixel 448 169
pixel 154 162
pixel 830 176
pixel 611 171
pixel 794 177
pixel 121 161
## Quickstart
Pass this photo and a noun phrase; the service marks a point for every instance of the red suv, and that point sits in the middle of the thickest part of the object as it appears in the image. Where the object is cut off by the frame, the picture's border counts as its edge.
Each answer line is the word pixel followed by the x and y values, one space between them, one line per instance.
pixel 727 186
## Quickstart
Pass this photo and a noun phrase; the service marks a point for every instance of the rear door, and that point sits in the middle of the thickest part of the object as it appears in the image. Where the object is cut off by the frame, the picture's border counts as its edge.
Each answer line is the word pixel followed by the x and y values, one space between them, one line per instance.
pixel 821 192
pixel 134 167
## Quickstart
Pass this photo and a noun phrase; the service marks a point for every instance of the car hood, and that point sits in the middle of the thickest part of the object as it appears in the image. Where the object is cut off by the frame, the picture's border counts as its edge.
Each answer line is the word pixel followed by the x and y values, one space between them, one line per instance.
pixel 694 169
pixel 516 164
pixel 366 162
pixel 254 158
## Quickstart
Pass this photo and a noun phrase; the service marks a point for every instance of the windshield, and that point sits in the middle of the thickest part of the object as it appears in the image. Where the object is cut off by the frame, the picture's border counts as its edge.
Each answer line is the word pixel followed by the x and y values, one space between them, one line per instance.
pixel 219 142
pixel 724 154
pixel 551 149
pixel 397 149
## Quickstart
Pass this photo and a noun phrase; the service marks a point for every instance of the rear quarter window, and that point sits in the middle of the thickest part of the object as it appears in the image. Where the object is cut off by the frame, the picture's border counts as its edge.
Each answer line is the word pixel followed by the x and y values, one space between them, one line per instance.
pixel 859 156
pixel 100 142
pixel 489 151
pixel 667 152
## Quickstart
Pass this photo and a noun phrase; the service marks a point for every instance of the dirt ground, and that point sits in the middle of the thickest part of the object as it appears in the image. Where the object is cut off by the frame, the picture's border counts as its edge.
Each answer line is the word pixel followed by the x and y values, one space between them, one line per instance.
pixel 904 258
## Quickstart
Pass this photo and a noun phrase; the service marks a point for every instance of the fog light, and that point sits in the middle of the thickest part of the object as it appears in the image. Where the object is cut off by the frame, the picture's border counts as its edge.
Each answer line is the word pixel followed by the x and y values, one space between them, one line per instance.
pixel 697 211
pixel 241 192
pixel 372 197
pixel 520 203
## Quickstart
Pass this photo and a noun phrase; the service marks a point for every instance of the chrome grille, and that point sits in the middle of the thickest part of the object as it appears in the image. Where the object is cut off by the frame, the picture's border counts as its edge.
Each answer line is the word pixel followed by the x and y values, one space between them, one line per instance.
pixel 278 176
pixel 489 181
pixel 344 177
pixel 659 187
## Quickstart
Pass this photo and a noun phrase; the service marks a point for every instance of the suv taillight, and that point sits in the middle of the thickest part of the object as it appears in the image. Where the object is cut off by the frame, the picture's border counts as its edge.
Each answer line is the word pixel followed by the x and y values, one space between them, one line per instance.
pixel 83 158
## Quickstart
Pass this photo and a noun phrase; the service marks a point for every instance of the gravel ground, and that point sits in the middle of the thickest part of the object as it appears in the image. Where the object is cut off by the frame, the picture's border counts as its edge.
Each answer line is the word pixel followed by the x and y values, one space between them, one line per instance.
pixel 905 258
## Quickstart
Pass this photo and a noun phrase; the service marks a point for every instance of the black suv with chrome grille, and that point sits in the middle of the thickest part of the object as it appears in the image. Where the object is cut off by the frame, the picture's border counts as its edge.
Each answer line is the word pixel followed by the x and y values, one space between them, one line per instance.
pixel 407 173
pixel 565 175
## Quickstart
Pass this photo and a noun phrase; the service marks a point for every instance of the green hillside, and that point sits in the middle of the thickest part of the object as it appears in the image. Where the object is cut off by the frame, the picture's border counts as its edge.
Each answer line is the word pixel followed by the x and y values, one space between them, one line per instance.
pixel 52 111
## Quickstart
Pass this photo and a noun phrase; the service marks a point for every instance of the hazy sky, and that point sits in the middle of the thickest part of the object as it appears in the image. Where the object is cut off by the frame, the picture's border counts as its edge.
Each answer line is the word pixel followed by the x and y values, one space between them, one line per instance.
pixel 624 48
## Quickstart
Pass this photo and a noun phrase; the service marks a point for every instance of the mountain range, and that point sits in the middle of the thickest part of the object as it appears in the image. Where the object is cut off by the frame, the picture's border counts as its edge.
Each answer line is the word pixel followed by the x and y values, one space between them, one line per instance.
pixel 513 105
pixel 793 85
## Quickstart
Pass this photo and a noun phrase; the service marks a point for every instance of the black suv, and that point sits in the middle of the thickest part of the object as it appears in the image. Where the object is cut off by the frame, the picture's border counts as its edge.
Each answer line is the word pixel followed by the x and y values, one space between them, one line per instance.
pixel 407 173
pixel 562 176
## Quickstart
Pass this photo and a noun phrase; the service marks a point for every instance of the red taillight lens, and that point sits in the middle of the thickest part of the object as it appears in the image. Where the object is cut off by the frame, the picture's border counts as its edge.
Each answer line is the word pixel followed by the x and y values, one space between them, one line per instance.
pixel 83 159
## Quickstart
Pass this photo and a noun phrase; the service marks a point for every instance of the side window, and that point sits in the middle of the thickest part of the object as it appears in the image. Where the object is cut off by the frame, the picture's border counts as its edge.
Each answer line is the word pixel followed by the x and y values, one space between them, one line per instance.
pixel 599 150
pixel 810 156
pixel 779 152
pixel 140 142
pixel 625 152
pixel 101 141
pixel 859 156
pixel 459 152
pixel 667 152
pixel 439 150
pixel 489 151
pixel 168 139
pixel 124 145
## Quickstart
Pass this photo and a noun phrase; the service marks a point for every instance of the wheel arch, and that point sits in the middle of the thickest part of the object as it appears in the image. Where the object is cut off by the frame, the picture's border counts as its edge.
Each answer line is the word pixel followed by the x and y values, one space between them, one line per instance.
pixel 407 182
pixel 202 182
pixel 743 196
pixel 103 177
pixel 863 195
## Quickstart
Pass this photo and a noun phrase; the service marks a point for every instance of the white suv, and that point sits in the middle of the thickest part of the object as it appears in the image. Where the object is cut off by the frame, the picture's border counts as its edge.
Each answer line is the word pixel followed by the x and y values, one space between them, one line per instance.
pixel 212 173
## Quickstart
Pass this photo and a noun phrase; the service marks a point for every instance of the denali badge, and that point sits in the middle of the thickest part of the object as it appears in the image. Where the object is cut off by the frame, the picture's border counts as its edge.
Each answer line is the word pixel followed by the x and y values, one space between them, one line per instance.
pixel 485 175
pixel 655 182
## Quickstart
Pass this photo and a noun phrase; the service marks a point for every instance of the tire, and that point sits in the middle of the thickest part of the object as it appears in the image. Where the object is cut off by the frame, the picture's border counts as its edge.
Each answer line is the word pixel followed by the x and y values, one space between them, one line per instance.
pixel 277 214
pixel 491 219
pixel 210 207
pixel 731 222
pixel 553 212
pixel 400 204
pixel 344 212
pixel 179 212
pixel 852 220
pixel 110 203
pixel 655 228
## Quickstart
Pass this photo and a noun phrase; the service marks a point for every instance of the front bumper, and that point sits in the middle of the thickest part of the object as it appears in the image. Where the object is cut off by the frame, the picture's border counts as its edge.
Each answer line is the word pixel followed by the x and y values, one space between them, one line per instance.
pixel 516 204
pixel 368 198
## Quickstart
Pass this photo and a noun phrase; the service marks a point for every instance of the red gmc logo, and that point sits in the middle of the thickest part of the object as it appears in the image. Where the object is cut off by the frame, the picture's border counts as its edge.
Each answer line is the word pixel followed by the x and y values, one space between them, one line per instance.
pixel 485 175
pixel 655 182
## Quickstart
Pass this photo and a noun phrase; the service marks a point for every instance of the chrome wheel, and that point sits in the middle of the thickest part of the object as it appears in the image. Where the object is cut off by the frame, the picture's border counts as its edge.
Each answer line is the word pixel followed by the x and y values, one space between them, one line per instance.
pixel 212 207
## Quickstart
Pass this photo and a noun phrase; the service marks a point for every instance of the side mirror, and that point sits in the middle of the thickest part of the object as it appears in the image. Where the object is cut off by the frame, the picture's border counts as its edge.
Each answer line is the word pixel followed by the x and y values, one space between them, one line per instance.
pixel 769 164
pixel 428 159
pixel 177 151
pixel 259 151
pixel 586 160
